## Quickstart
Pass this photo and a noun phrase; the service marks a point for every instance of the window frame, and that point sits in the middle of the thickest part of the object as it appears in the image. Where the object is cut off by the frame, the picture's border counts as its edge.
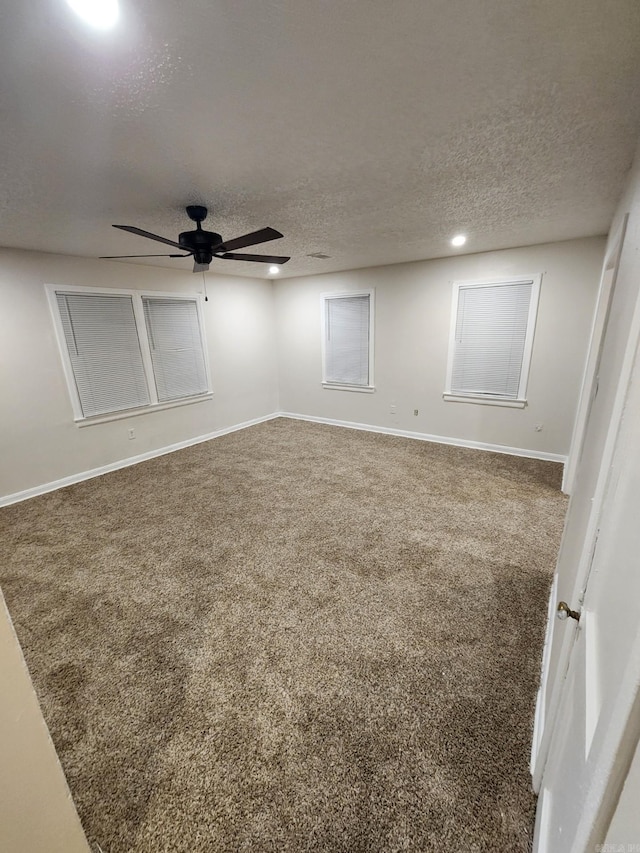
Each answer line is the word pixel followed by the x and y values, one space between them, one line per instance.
pixel 342 386
pixel 141 327
pixel 487 399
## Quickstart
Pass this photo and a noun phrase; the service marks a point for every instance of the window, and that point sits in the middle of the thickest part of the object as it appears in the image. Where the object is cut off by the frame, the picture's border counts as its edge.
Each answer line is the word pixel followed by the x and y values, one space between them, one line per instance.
pixel 124 350
pixel 491 341
pixel 103 347
pixel 347 338
pixel 176 347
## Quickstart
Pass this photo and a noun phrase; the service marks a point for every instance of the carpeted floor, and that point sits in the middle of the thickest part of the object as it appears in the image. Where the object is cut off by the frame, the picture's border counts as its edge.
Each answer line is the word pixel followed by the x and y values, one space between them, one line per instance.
pixel 292 638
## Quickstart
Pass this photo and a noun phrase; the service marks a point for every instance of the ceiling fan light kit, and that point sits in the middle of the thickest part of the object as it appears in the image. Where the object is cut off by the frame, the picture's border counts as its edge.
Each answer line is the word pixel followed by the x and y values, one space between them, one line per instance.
pixel 204 246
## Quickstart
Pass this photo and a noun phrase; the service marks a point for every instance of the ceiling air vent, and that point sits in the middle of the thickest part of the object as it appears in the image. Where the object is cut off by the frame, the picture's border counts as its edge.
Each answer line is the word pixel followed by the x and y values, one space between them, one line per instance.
pixel 320 255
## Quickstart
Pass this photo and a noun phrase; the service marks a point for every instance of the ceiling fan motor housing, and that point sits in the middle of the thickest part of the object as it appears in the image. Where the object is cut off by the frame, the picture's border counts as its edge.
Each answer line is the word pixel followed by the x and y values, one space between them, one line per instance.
pixel 201 243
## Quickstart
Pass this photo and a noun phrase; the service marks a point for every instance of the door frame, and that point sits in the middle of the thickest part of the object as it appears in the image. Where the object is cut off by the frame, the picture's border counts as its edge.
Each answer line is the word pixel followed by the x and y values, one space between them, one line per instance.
pixel 596 341
pixel 620 740
pixel 544 723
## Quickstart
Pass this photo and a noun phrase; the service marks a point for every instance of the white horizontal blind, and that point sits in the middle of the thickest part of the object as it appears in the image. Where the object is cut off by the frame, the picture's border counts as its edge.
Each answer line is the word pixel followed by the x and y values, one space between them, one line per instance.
pixel 102 341
pixel 490 337
pixel 347 340
pixel 176 347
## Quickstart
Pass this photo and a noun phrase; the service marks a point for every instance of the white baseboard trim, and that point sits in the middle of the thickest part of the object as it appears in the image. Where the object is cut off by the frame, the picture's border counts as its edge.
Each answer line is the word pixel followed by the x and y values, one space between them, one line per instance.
pixel 6 500
pixel 535 766
pixel 125 463
pixel 437 439
pixel 567 479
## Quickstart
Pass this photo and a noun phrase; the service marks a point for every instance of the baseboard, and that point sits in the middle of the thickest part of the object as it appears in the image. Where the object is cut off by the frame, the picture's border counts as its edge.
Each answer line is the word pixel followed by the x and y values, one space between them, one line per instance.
pixel 536 764
pixel 125 463
pixel 567 486
pixel 437 439
pixel 151 454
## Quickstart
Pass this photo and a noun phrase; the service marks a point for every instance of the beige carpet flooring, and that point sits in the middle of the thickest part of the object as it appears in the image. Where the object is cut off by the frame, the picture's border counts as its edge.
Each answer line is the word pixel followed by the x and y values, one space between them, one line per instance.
pixel 292 638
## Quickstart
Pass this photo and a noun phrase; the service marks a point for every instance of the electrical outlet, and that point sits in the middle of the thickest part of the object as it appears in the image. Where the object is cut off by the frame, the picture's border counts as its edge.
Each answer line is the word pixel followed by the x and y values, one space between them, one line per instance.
pixel 392 408
pixel 415 412
pixel 132 433
pixel 538 427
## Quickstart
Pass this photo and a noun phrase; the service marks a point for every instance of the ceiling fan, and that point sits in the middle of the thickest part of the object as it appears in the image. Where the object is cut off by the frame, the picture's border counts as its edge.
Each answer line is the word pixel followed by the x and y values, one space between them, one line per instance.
pixel 206 245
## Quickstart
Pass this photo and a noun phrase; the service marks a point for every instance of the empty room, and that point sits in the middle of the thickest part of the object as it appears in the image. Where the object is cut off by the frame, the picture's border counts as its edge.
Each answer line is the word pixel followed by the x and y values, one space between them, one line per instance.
pixel 319 482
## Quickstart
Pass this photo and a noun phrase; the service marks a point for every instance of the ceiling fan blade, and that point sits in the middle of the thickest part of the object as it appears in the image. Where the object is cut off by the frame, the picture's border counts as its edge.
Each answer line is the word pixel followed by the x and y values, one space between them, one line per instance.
pixel 261 236
pixel 148 234
pixel 262 259
pixel 114 257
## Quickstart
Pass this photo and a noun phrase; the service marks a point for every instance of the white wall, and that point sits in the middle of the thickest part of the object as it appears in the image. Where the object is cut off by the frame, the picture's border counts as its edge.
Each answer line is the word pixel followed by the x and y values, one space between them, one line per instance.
pixel 245 329
pixel 413 309
pixel 40 442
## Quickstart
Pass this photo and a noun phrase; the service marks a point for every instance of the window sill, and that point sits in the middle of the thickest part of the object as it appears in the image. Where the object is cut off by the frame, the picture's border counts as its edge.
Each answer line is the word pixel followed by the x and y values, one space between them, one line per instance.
pixel 133 413
pixel 485 401
pixel 335 386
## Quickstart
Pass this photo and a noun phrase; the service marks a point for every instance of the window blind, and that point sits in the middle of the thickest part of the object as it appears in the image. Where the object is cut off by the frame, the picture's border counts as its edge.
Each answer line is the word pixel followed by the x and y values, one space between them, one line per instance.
pixel 104 350
pixel 177 354
pixel 347 340
pixel 490 337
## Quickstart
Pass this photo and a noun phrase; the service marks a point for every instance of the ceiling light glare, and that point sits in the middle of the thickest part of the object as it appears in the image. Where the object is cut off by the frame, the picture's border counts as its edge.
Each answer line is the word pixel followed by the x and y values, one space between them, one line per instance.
pixel 100 14
pixel 273 270
pixel 459 240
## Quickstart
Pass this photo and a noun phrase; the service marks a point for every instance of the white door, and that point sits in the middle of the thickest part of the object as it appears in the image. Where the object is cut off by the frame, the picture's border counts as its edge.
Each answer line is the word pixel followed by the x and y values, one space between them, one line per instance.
pixel 601 405
pixel 598 723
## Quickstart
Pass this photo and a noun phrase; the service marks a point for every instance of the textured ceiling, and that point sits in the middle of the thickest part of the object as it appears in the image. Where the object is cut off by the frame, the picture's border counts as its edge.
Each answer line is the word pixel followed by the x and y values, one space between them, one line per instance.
pixel 369 131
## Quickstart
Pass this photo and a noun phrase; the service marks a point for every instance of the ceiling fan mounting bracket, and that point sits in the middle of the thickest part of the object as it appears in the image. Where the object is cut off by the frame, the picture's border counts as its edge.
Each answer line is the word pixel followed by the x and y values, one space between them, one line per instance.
pixel 197 212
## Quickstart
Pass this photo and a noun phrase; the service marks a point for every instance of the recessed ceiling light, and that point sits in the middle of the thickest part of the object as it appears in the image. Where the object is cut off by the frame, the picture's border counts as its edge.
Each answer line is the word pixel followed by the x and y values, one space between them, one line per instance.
pixel 274 270
pixel 459 240
pixel 101 14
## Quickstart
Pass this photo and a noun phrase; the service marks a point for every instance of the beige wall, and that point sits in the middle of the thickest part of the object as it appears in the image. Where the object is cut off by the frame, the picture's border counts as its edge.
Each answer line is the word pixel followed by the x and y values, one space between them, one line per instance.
pixel 36 810
pixel 413 309
pixel 40 442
